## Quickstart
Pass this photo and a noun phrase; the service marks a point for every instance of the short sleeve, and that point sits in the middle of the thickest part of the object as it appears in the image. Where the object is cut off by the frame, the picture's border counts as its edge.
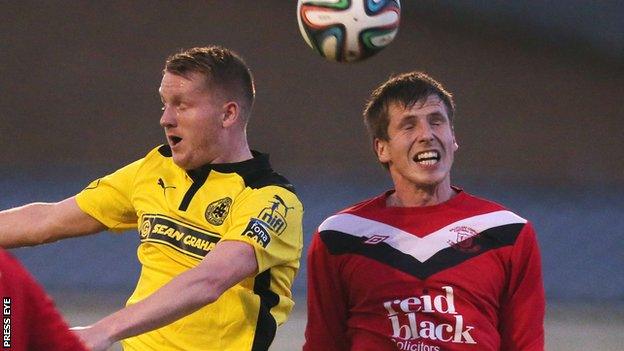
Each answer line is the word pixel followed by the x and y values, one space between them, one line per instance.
pixel 270 219
pixel 109 199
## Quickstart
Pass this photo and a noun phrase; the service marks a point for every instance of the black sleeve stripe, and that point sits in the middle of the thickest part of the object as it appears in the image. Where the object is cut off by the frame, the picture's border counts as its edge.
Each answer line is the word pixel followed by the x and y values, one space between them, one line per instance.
pixel 266 325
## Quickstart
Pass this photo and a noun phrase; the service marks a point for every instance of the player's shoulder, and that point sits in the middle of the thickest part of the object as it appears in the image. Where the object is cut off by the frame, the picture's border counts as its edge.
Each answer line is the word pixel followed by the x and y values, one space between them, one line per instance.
pixel 482 205
pixel 257 173
pixel 263 184
pixel 362 206
pixel 157 157
pixel 509 227
pixel 270 180
pixel 162 151
pixel 505 223
pixel 157 154
pixel 270 187
pixel 356 211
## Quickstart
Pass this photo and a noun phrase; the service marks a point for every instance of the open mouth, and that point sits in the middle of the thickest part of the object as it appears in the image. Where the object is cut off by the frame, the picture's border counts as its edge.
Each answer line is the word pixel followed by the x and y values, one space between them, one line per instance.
pixel 174 140
pixel 427 158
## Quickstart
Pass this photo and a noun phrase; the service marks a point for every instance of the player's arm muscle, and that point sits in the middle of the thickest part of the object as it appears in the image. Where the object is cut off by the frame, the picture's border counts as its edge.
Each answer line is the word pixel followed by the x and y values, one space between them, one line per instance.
pixel 39 223
pixel 227 264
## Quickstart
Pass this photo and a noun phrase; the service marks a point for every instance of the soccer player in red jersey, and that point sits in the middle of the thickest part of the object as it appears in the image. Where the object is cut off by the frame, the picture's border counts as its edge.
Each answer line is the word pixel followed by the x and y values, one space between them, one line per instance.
pixel 424 266
pixel 30 320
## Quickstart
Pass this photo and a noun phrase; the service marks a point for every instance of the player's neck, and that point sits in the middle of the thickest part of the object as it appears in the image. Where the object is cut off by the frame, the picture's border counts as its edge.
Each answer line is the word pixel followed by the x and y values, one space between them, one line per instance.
pixel 411 195
pixel 234 150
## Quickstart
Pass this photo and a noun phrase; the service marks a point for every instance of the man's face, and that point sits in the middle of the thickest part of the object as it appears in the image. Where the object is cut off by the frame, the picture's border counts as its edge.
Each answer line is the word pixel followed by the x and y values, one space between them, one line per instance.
pixel 191 119
pixel 421 144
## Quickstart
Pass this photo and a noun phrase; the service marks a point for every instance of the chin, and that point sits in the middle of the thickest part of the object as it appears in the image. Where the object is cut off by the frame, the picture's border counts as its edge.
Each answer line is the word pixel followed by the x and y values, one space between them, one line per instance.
pixel 181 161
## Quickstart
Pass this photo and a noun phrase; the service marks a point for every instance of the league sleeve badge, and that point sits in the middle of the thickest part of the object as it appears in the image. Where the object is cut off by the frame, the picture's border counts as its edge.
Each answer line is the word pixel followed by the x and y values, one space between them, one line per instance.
pixel 270 220
pixel 275 214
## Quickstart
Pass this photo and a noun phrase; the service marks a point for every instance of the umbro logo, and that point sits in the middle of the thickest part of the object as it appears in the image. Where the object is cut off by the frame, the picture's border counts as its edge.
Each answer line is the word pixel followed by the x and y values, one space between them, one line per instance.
pixel 376 239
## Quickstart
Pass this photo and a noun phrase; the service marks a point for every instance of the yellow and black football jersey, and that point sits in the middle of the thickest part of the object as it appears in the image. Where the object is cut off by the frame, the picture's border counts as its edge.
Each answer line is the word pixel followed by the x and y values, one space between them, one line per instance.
pixel 181 216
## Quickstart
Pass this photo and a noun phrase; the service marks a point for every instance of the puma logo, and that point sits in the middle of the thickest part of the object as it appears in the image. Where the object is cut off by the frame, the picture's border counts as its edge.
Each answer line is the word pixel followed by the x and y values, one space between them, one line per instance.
pixel 163 186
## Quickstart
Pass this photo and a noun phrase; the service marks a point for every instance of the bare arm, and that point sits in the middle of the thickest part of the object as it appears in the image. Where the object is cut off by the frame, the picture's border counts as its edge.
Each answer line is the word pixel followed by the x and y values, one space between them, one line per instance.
pixel 227 264
pixel 39 223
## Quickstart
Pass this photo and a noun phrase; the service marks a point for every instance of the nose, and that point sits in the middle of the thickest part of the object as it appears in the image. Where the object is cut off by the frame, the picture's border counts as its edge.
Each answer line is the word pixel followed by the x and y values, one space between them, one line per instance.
pixel 424 133
pixel 168 118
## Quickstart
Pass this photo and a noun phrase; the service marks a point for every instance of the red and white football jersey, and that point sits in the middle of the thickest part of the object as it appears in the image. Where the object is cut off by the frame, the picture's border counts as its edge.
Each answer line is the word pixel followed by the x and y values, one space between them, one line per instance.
pixel 461 275
pixel 30 319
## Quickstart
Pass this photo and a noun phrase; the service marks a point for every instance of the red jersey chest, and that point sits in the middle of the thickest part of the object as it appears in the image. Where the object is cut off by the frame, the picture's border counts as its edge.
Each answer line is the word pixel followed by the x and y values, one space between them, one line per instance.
pixel 456 306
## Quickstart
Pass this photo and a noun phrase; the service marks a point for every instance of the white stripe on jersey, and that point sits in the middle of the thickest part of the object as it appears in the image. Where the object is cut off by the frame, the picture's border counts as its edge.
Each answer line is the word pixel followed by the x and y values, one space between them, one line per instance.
pixel 420 248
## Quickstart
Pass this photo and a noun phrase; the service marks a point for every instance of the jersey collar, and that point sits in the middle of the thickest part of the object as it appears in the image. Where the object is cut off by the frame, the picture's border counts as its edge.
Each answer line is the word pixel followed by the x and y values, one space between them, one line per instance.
pixel 259 162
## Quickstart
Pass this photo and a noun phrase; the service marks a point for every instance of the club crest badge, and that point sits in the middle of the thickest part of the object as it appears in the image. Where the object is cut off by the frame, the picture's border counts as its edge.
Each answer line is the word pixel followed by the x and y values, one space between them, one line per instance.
pixel 465 241
pixel 218 210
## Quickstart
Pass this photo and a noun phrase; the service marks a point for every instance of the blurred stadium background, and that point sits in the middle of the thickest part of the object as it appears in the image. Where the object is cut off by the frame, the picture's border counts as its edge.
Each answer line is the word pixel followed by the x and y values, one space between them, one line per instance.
pixel 538 86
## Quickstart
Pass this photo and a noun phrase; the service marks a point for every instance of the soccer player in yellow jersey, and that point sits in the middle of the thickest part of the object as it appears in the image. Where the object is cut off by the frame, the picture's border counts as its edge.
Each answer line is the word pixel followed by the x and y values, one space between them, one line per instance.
pixel 220 231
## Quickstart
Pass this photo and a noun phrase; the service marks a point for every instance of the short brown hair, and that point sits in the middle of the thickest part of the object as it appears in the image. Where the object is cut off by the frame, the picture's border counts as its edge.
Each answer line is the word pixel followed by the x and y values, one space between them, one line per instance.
pixel 224 69
pixel 405 89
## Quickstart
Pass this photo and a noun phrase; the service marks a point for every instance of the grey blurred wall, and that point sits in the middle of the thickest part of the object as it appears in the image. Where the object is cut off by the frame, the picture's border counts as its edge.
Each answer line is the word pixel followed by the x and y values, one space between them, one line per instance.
pixel 539 117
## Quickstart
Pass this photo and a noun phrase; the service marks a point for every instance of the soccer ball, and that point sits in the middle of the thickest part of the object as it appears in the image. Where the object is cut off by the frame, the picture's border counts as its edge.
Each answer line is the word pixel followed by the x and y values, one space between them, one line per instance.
pixel 348 30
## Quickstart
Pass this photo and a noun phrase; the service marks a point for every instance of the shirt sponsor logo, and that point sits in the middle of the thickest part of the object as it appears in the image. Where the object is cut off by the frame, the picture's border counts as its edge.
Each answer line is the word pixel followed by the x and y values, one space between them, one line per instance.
pixel 257 230
pixel 183 237
pixel 275 215
pixel 218 210
pixel 409 330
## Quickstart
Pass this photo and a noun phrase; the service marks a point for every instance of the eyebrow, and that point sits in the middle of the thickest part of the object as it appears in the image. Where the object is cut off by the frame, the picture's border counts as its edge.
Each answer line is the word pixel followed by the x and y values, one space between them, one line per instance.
pixel 410 118
pixel 176 98
pixel 438 114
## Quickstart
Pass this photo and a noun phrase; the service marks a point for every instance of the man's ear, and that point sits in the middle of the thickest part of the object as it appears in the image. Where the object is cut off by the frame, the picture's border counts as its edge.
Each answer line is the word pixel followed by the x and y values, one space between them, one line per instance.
pixel 382 150
pixel 231 114
pixel 455 144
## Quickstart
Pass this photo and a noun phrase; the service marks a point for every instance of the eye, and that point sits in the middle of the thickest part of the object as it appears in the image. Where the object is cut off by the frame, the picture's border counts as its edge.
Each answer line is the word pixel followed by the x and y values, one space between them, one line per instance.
pixel 408 125
pixel 437 121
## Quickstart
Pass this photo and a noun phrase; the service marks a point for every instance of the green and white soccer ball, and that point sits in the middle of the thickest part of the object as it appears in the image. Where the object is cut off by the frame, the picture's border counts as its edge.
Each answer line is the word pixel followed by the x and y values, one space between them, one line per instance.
pixel 348 30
